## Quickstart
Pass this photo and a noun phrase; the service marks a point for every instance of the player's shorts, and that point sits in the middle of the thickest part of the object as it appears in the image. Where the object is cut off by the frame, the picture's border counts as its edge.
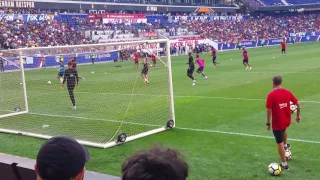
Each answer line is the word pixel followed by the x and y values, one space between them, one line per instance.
pixel 154 61
pixel 279 135
pixel 214 59
pixel 144 71
pixel 190 71
pixel 200 69
pixel 60 74
pixel 136 62
pixel 283 50
pixel 245 60
pixel 71 87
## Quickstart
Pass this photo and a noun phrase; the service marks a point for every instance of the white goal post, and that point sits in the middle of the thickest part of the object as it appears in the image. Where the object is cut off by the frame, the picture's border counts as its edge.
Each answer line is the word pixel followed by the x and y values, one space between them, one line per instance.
pixel 114 106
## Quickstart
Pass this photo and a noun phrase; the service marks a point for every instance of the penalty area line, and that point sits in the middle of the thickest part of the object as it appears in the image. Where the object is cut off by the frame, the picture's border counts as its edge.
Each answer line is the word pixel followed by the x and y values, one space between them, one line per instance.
pixel 245 134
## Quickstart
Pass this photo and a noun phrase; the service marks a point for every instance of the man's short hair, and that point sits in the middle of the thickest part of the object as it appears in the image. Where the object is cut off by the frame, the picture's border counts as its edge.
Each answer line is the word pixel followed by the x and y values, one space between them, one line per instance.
pixel 190 53
pixel 61 158
pixel 155 164
pixel 277 80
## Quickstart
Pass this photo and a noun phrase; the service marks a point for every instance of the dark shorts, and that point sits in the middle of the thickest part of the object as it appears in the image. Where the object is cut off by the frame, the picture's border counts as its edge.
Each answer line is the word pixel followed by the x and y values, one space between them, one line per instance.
pixel 154 61
pixel 283 50
pixel 214 59
pixel 200 69
pixel 60 74
pixel 144 71
pixel 71 87
pixel 136 62
pixel 245 60
pixel 279 135
pixel 190 71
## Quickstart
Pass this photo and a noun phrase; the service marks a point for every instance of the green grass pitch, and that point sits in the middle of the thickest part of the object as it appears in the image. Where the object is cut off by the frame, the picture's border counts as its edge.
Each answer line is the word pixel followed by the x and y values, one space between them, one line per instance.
pixel 220 121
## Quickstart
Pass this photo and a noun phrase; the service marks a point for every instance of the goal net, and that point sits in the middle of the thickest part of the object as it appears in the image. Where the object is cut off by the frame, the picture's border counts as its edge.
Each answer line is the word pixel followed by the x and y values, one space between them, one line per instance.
pixel 113 103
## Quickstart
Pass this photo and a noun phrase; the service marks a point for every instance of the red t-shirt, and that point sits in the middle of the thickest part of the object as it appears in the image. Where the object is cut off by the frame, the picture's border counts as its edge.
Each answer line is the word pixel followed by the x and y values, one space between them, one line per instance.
pixel 283 45
pixel 213 53
pixel 245 54
pixel 136 57
pixel 279 101
pixel 153 57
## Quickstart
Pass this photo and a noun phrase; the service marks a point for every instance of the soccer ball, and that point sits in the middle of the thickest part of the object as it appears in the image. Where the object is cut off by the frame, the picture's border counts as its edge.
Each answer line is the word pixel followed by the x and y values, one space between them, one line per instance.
pixel 274 169
pixel 49 83
pixel 288 154
pixel 293 107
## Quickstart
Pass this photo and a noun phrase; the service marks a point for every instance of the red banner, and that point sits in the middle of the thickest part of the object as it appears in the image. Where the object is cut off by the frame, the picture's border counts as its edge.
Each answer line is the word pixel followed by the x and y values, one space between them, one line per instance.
pixel 117 16
pixel 149 34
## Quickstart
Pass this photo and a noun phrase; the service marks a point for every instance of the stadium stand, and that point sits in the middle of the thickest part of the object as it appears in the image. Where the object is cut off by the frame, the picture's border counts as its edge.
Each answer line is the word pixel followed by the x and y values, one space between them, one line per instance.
pixel 302 2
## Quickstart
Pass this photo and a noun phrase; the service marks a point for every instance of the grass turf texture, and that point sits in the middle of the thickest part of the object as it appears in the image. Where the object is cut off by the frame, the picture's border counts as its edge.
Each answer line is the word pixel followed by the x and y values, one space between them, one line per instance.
pixel 232 100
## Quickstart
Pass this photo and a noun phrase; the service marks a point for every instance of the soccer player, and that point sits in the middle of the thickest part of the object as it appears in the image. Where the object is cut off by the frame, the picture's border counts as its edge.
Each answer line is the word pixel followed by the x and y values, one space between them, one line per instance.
pixel 283 47
pixel 214 57
pixel 201 66
pixel 144 72
pixel 74 65
pixel 154 59
pixel 72 78
pixel 61 71
pixel 1 65
pixel 278 108
pixel 191 69
pixel 245 58
pixel 136 59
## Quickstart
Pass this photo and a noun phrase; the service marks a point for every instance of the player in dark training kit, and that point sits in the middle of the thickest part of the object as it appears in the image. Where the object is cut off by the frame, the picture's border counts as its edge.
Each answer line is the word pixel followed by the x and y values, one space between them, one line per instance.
pixel 72 78
pixel 144 72
pixel 74 65
pixel 191 69
pixel 1 64
pixel 214 57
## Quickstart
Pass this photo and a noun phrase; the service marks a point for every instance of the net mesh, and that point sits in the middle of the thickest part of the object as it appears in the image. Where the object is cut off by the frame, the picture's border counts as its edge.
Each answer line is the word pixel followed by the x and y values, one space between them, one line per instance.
pixel 11 87
pixel 112 97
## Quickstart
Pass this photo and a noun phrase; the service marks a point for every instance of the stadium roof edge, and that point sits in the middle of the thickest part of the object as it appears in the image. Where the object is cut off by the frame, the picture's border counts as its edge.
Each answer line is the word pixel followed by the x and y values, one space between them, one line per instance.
pixel 287 7
pixel 124 4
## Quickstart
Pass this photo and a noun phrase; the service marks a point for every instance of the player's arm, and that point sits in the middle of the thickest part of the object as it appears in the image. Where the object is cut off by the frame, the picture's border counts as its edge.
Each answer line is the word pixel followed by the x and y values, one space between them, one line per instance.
pixel 64 77
pixel 77 77
pixel 297 103
pixel 269 111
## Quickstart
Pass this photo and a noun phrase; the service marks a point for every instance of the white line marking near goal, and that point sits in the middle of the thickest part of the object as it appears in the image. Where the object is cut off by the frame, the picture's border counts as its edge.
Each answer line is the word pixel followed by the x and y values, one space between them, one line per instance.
pixel 245 134
pixel 94 119
pixel 234 98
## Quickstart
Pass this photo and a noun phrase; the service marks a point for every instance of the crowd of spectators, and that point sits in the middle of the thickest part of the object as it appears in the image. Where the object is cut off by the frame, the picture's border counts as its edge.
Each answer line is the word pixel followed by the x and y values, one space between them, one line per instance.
pixel 255 27
pixel 18 34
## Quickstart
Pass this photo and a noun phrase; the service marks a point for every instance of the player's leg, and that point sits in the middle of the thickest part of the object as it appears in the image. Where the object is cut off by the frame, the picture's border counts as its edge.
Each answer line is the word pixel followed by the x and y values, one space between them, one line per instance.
pixel 285 139
pixel 202 73
pixel 279 136
pixel 71 94
pixel 154 63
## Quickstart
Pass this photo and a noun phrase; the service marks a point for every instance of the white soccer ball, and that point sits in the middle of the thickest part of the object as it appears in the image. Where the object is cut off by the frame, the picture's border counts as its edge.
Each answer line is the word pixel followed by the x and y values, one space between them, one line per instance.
pixel 293 107
pixel 49 82
pixel 274 169
pixel 288 154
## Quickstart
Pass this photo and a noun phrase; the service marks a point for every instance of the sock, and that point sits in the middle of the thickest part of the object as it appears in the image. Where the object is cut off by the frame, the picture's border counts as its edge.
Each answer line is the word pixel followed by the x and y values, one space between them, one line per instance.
pixel 284 163
pixel 145 79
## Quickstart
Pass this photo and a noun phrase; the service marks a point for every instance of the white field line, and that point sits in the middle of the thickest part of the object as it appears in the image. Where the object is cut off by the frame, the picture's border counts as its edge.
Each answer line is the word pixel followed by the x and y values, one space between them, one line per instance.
pixel 245 134
pixel 181 128
pixel 176 96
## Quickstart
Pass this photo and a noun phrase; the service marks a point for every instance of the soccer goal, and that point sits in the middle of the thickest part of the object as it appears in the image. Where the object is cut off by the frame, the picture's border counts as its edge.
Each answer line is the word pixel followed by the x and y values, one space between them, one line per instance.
pixel 113 103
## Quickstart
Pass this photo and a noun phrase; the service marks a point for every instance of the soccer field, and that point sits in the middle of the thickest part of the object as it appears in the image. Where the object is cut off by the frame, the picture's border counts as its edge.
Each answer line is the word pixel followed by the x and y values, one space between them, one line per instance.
pixel 220 122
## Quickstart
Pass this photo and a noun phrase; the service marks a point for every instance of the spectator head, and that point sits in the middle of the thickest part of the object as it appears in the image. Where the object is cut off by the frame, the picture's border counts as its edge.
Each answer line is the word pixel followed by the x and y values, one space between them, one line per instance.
pixel 276 81
pixel 61 158
pixel 155 164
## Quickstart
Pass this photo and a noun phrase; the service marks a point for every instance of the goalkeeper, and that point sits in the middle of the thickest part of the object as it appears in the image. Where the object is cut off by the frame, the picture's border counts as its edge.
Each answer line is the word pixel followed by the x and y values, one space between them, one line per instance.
pixel 72 78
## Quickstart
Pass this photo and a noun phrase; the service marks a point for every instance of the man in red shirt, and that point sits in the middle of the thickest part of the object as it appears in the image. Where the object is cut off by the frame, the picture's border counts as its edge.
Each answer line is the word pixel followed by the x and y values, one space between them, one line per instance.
pixel 245 58
pixel 136 59
pixel 283 46
pixel 154 59
pixel 278 107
